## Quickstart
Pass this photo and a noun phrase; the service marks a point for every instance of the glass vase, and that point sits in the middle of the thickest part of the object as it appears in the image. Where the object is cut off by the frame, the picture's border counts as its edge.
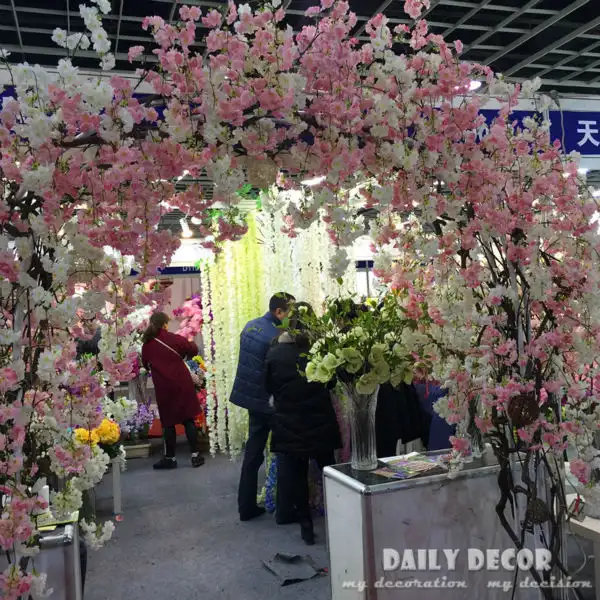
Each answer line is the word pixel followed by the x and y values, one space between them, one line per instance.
pixel 362 429
pixel 462 432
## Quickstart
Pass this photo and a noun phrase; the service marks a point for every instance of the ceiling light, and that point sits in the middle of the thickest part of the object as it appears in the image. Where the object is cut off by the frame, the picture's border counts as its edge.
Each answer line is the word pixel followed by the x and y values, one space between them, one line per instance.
pixel 582 171
pixel 475 85
pixel 186 232
pixel 184 174
pixel 314 181
pixel 596 193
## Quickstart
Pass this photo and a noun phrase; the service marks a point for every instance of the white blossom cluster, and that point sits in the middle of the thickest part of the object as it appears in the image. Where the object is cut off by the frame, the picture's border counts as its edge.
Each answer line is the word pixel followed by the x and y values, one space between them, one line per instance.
pixel 120 410
pixel 98 36
pixel 96 535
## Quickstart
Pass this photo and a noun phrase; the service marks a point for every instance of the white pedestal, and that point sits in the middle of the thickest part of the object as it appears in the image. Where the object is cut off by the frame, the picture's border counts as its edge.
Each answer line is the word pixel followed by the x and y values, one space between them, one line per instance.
pixel 116 486
pixel 367 513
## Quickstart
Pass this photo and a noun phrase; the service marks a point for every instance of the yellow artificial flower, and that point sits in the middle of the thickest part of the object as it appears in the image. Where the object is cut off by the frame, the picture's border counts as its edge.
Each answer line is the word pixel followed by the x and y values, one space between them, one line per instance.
pixel 200 362
pixel 108 432
pixel 85 436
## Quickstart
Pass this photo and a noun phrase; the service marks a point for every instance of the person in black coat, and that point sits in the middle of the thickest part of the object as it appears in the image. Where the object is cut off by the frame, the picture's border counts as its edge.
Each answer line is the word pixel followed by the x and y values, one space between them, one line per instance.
pixel 90 346
pixel 399 416
pixel 304 423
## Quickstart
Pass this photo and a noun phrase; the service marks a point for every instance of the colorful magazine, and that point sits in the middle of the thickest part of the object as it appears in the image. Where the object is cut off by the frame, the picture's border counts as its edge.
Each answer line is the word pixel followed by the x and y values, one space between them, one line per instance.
pixel 411 465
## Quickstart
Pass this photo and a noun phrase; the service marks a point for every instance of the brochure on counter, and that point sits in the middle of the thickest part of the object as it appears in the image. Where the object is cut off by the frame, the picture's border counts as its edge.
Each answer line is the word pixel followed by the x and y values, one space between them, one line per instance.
pixel 410 465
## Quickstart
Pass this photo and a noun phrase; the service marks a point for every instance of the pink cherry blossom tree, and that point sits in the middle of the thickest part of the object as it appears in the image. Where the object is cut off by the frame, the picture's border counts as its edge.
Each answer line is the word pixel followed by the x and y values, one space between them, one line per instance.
pixel 492 237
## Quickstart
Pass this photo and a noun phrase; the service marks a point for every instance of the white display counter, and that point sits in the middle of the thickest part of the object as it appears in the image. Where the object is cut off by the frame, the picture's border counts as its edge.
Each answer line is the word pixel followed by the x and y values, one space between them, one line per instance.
pixel 367 513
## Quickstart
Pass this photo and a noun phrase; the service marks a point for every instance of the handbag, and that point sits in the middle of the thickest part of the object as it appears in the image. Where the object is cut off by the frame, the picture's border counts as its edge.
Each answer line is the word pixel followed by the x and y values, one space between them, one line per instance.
pixel 195 378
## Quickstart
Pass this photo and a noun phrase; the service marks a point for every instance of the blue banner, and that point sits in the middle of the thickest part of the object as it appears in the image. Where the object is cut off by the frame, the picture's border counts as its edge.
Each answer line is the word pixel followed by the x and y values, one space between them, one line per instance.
pixel 174 271
pixel 577 131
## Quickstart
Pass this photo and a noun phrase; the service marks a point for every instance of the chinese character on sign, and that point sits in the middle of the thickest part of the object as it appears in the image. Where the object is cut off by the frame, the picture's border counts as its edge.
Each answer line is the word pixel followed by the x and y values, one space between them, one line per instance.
pixel 588 133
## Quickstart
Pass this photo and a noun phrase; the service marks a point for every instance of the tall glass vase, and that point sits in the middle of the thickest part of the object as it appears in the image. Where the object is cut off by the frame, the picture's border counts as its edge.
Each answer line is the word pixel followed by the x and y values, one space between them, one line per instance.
pixel 362 428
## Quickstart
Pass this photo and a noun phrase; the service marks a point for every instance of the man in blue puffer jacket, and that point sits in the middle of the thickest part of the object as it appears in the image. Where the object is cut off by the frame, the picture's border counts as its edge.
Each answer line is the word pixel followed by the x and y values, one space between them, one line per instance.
pixel 249 392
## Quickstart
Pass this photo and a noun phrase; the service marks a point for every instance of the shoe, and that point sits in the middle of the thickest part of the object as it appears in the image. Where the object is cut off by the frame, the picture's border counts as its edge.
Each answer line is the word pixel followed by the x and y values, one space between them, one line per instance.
pixel 287 519
pixel 257 511
pixel 197 460
pixel 307 533
pixel 165 463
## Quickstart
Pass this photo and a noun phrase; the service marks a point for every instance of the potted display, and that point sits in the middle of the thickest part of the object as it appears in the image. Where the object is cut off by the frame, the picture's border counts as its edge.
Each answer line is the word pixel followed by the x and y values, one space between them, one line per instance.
pixel 137 444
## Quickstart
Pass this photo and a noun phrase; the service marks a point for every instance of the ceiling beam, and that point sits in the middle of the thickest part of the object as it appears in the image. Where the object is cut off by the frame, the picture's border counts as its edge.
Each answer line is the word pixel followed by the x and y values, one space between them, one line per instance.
pixel 502 24
pixel 567 59
pixel 556 44
pixel 575 70
pixel 68 17
pixel 207 3
pixel 466 17
pixel 541 27
pixel 118 26
pixel 591 67
pixel 19 36
pixel 559 83
pixel 172 12
pixel 432 5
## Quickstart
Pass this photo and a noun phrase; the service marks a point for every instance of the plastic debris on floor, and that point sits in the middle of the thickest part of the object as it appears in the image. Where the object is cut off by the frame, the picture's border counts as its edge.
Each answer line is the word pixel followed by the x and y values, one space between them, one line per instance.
pixel 293 568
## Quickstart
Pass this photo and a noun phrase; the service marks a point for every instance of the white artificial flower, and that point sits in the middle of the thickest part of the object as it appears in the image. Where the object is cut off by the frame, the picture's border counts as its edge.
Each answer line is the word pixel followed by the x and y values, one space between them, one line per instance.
pixel 78 41
pixel 121 410
pixel 126 119
pixel 4 53
pixel 95 469
pixel 59 37
pixel 338 263
pixel 98 94
pixel 103 5
pixel 108 62
pixel 40 297
pixel 100 40
pixel 108 130
pixel 38 180
pixel 95 536
pixel 528 88
pixel 8 337
pixel 38 129
pixel 66 70
pixel 46 370
pixel 38 589
pixel 90 17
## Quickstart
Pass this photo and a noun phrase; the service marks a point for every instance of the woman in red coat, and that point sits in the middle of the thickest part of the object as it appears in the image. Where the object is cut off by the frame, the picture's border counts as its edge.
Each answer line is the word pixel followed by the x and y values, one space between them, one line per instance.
pixel 163 353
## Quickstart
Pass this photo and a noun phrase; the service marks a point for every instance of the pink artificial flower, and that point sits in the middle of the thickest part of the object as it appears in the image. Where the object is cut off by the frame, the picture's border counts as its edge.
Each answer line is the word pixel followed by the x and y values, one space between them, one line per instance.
pixel 212 19
pixel 461 445
pixel 414 8
pixel 581 470
pixel 134 52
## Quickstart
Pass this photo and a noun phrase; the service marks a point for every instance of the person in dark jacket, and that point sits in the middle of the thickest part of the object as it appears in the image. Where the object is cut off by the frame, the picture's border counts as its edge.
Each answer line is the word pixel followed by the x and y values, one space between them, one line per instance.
pixel 164 353
pixel 249 392
pixel 90 346
pixel 304 423
pixel 399 416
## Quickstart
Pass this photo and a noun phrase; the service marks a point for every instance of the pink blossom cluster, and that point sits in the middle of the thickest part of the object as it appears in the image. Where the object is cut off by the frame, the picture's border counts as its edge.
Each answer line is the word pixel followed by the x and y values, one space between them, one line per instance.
pixel 190 318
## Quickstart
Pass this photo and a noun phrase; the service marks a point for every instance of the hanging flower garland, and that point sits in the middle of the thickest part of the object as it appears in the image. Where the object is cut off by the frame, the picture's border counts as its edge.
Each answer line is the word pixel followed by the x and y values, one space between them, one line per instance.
pixel 209 352
pixel 240 281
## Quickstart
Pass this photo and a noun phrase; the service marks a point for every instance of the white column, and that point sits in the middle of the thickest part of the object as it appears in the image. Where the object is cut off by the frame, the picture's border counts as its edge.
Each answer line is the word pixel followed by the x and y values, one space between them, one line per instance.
pixel 116 481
